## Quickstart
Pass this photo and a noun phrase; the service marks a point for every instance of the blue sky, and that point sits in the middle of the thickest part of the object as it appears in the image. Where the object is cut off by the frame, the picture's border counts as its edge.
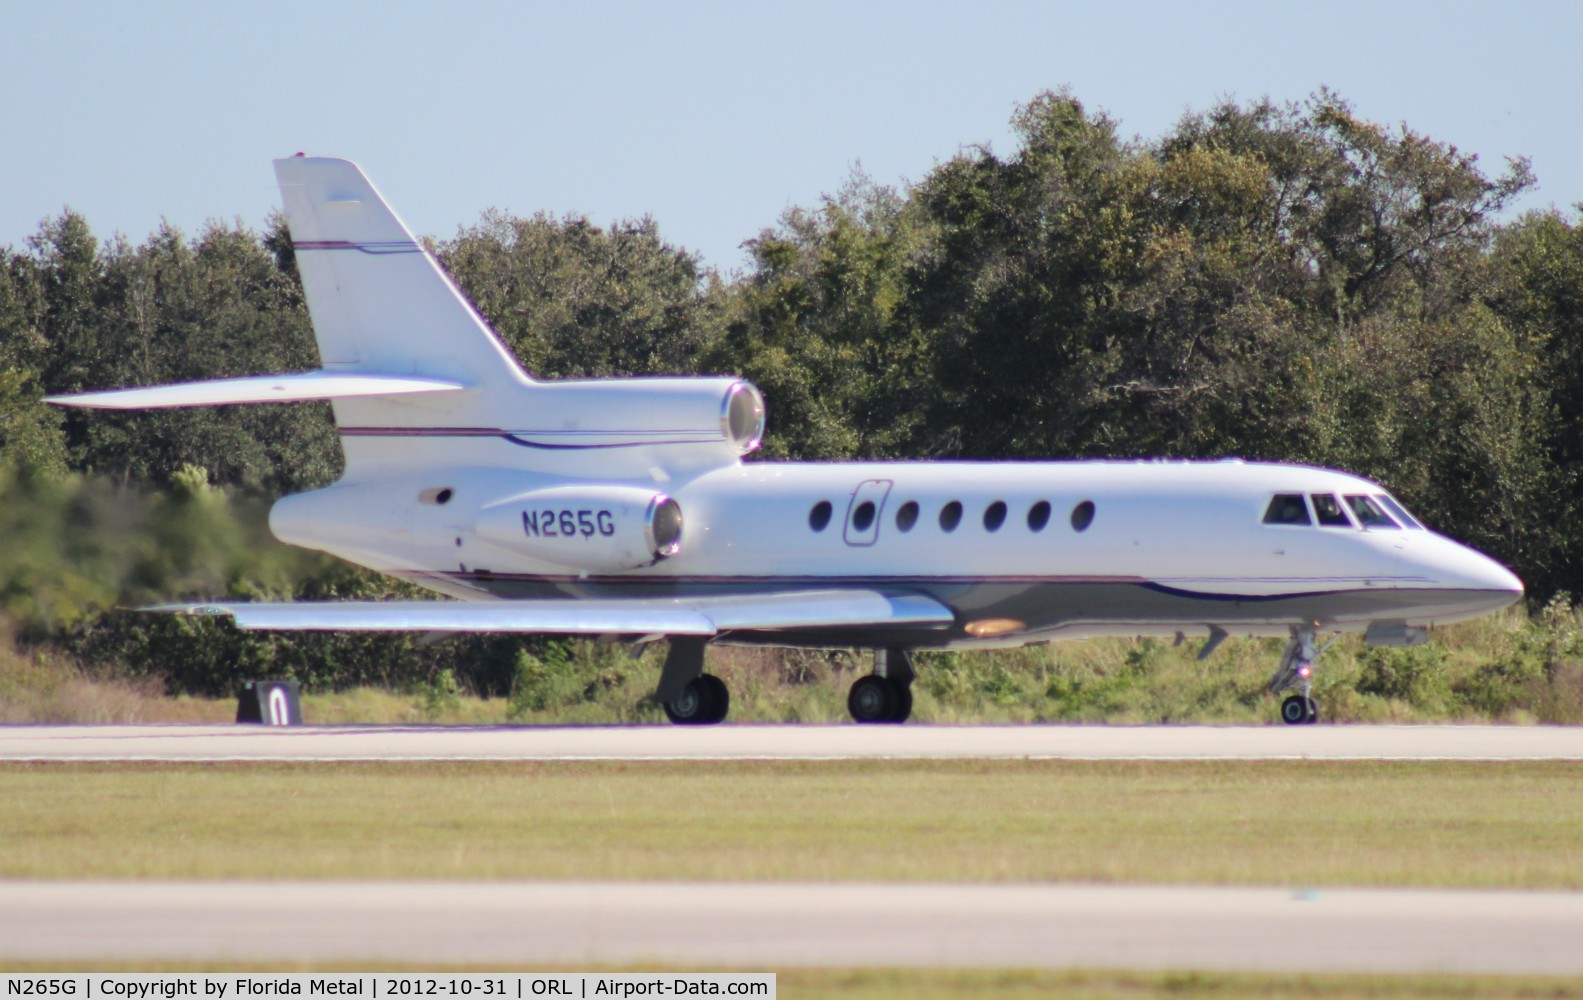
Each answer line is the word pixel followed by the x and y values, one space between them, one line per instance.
pixel 712 117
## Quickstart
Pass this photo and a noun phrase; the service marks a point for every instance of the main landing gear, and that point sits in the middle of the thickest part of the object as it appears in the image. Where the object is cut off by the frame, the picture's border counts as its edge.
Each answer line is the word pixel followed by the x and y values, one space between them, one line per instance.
pixel 704 701
pixel 1297 671
pixel 689 696
pixel 886 694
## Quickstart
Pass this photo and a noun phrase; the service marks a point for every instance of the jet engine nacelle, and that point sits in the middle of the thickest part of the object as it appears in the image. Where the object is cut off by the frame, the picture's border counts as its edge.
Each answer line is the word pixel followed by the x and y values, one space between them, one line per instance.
pixel 595 529
pixel 720 413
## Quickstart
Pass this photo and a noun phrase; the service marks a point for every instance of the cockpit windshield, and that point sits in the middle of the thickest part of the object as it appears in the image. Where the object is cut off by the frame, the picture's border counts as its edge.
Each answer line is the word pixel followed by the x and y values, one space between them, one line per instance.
pixel 1329 511
pixel 1369 513
pixel 1407 519
pixel 1287 508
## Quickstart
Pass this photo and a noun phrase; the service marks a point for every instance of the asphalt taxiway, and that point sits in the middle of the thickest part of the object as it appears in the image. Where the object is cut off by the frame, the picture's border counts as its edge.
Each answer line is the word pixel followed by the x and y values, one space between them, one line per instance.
pixel 769 926
pixel 787 742
pixel 753 925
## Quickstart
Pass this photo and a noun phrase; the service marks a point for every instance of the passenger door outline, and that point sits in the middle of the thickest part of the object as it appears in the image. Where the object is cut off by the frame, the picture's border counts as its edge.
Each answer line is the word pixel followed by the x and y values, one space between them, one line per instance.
pixel 873 491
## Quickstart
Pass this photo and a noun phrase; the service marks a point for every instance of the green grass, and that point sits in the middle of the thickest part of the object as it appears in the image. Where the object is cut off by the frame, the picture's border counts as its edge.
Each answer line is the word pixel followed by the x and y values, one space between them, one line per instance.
pixel 1508 825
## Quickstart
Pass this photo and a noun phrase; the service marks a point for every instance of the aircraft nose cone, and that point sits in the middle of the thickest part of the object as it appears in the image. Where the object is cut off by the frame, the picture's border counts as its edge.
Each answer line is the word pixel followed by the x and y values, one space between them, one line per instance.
pixel 1502 579
pixel 1477 571
pixel 1481 584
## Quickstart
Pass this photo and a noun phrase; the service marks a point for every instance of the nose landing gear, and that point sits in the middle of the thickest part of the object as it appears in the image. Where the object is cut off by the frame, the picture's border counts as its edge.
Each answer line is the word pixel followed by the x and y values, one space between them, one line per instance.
pixel 1297 671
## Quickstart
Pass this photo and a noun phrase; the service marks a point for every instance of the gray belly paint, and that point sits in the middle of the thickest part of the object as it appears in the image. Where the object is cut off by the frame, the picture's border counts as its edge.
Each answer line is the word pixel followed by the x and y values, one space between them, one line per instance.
pixel 1048 609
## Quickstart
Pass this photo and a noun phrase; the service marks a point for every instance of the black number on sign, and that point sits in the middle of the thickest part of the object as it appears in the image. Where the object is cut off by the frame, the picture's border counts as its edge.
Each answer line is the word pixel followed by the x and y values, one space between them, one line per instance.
pixel 568 523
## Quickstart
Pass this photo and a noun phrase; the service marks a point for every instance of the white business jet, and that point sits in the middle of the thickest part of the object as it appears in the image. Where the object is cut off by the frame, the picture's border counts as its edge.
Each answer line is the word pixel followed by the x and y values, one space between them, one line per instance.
pixel 622 508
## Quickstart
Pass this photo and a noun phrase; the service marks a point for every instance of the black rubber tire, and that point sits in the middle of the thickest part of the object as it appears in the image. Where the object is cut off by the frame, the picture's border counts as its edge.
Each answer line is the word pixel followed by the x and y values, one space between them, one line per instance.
pixel 872 699
pixel 719 695
pixel 902 710
pixel 1313 710
pixel 1294 710
pixel 696 706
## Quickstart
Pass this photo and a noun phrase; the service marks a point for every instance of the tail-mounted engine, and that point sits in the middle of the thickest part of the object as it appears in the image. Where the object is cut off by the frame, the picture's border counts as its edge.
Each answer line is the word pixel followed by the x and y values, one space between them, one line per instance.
pixel 721 413
pixel 595 529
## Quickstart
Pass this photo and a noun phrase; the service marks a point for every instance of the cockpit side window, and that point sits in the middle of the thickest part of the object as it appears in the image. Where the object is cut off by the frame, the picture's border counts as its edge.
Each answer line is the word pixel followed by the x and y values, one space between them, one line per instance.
pixel 1329 511
pixel 1401 512
pixel 1369 513
pixel 1287 508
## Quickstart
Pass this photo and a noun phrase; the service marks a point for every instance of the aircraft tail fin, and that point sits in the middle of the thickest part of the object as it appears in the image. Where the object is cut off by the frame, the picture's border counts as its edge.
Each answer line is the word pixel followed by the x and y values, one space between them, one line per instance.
pixel 381 304
pixel 415 377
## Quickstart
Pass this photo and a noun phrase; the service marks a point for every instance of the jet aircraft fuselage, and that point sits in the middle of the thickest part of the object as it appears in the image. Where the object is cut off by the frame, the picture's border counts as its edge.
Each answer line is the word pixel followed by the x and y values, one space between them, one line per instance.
pixel 1020 551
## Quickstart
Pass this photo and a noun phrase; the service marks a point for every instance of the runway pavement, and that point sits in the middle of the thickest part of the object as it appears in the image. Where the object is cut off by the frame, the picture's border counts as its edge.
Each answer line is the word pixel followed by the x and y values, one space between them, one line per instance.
pixel 789 742
pixel 764 927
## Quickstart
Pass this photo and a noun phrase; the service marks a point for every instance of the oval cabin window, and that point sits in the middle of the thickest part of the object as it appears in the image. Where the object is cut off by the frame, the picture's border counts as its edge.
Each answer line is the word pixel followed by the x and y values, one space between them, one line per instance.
pixel 1039 516
pixel 907 516
pixel 819 517
pixel 863 517
pixel 995 515
pixel 1083 515
pixel 950 516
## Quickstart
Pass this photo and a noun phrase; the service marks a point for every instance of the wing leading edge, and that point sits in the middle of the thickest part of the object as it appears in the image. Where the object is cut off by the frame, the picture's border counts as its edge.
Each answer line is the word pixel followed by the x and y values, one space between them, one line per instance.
pixel 701 616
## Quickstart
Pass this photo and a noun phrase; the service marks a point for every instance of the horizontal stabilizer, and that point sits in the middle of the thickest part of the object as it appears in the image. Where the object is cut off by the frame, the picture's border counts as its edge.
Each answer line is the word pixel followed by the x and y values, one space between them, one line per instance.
pixel 258 389
pixel 702 616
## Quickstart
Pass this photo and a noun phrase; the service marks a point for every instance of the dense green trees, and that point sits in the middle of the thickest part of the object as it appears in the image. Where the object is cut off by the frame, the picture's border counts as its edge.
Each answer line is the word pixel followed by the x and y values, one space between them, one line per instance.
pixel 76 314
pixel 1275 281
pixel 573 300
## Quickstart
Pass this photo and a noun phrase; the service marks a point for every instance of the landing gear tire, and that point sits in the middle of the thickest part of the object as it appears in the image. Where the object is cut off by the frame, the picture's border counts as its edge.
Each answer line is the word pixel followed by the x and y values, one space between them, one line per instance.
pixel 903 710
pixel 879 699
pixel 721 696
pixel 704 701
pixel 1295 710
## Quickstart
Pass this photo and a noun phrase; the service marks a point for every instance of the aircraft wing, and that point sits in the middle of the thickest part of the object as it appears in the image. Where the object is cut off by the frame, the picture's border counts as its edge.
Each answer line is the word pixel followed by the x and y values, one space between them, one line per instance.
pixel 697 616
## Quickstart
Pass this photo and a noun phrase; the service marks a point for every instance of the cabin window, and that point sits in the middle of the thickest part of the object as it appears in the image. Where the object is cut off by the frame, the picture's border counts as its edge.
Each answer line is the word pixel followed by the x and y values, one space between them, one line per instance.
pixel 1039 516
pixel 907 516
pixel 1083 515
pixel 863 516
pixel 950 516
pixel 438 495
pixel 1329 511
pixel 819 517
pixel 1401 512
pixel 1369 513
pixel 995 515
pixel 1287 508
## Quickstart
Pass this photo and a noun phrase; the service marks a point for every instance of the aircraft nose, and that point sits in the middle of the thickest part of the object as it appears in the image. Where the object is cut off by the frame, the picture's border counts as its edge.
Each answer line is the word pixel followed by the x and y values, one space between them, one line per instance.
pixel 1476 571
pixel 1502 579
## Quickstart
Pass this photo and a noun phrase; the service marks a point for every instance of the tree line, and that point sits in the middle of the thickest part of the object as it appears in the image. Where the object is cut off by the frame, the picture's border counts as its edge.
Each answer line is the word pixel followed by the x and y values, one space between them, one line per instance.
pixel 1280 281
